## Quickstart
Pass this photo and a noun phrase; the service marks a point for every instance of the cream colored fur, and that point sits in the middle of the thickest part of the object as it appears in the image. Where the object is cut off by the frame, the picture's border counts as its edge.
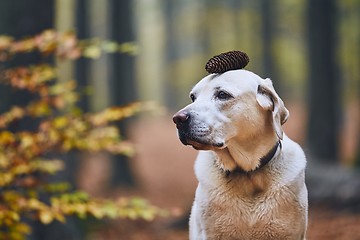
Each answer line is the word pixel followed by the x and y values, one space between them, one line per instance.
pixel 236 132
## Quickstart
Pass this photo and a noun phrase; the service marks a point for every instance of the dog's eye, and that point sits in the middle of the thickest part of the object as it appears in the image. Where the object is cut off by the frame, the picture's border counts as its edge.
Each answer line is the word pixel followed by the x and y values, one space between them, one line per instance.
pixel 222 95
pixel 192 96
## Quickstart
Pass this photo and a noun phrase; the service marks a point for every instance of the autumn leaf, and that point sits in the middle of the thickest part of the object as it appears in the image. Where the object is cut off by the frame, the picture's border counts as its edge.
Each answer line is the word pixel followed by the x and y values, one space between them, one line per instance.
pixel 46 216
pixel 92 51
pixel 22 228
pixel 109 46
pixel 6 137
pixel 5 42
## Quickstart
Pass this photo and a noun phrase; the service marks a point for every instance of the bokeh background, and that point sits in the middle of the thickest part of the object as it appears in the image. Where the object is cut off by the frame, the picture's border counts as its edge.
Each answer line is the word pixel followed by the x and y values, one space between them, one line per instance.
pixel 310 49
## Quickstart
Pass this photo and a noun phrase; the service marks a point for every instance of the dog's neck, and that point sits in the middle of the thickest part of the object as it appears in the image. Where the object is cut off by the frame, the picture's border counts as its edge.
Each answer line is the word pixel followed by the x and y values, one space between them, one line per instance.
pixel 247 155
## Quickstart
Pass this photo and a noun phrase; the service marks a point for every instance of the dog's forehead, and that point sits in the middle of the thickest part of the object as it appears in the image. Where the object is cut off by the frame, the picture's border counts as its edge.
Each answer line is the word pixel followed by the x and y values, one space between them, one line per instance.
pixel 236 80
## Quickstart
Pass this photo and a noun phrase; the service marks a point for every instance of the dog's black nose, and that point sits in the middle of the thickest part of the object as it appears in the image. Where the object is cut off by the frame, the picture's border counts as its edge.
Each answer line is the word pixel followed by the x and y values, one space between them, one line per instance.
pixel 181 119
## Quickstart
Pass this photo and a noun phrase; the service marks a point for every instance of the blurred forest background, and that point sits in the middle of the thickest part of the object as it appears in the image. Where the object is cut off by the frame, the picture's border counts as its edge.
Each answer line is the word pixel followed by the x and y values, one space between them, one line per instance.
pixel 310 49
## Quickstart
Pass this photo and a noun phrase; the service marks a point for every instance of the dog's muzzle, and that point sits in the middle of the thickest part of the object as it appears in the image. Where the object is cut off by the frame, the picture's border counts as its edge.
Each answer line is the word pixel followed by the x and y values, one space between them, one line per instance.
pixel 194 132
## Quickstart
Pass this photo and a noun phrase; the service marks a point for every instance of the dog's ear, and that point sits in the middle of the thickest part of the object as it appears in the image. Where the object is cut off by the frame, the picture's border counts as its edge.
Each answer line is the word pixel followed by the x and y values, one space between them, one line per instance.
pixel 268 99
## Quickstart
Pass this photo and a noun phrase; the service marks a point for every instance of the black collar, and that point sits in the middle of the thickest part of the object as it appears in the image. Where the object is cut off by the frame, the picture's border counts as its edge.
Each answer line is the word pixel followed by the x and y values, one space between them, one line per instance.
pixel 263 161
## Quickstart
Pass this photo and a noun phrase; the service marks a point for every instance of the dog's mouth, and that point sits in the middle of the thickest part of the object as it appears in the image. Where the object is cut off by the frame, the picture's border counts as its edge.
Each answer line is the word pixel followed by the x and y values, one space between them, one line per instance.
pixel 199 143
pixel 205 146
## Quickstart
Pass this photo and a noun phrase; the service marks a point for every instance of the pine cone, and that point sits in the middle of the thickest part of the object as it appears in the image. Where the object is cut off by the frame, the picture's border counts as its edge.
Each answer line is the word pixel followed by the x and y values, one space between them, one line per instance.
pixel 227 61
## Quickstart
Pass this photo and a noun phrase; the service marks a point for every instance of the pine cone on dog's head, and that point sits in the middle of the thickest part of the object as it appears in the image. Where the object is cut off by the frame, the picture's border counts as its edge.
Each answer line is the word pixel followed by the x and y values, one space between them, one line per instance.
pixel 227 61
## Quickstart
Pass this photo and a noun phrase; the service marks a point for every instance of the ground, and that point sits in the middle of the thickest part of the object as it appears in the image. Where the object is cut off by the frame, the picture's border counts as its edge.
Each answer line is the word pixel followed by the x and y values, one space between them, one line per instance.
pixel 164 170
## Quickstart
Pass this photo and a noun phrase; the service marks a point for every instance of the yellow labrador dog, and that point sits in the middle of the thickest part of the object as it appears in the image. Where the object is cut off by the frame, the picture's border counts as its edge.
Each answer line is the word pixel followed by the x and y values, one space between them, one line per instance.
pixel 251 175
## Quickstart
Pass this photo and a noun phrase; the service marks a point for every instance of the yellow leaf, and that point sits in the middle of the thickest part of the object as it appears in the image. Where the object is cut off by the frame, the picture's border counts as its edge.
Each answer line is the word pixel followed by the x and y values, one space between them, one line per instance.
pixel 6 137
pixel 132 214
pixel 5 178
pixel 109 46
pixel 21 169
pixel 46 217
pixel 95 211
pixel 4 161
pixel 34 203
pixel 60 217
pixel 60 122
pixel 26 141
pixel 45 72
pixel 38 109
pixel 129 47
pixel 92 51
pixel 5 42
pixel 14 216
pixel 54 136
pixel 23 228
pixel 16 112
pixel 148 214
pixel 81 209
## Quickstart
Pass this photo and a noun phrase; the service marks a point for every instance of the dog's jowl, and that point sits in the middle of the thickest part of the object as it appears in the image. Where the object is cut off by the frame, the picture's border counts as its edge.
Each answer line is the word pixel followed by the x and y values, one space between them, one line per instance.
pixel 251 175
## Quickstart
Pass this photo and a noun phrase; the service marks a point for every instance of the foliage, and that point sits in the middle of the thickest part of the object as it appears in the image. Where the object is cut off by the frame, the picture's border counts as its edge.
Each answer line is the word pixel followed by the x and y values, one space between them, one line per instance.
pixel 26 157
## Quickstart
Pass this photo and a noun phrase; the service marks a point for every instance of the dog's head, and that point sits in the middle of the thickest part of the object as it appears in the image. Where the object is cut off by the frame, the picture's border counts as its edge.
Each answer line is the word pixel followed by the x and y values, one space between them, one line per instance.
pixel 235 105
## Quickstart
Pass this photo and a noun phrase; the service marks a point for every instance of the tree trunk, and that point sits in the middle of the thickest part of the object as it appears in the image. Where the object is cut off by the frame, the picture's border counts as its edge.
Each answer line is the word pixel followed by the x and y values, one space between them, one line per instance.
pixel 328 182
pixel 324 91
pixel 267 27
pixel 111 77
pixel 123 90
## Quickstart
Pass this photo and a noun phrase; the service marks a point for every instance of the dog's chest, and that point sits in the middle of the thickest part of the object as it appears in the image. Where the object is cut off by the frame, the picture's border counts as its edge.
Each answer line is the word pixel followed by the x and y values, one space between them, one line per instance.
pixel 252 214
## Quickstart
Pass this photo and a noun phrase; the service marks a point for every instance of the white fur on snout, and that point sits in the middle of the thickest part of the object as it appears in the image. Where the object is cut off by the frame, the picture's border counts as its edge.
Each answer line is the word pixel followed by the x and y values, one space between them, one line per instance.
pixel 205 127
